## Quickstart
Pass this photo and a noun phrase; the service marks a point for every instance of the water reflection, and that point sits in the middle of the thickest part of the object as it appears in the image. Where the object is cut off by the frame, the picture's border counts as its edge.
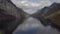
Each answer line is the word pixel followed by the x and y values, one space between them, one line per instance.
pixel 33 26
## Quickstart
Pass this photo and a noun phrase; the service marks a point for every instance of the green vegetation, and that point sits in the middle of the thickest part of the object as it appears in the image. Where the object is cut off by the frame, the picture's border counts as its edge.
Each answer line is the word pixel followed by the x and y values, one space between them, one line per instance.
pixel 51 15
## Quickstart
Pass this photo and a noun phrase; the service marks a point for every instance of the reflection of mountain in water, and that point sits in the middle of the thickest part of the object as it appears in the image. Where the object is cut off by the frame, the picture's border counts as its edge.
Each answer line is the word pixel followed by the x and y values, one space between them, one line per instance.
pixel 36 27
pixel 30 31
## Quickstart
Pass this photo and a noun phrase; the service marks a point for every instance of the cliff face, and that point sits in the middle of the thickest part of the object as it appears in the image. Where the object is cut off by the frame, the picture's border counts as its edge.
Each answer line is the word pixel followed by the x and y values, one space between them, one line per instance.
pixel 10 9
pixel 49 15
pixel 48 10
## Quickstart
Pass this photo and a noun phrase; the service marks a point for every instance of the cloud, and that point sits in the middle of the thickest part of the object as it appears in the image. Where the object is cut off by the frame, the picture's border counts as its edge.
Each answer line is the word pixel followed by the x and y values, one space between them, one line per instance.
pixel 30 6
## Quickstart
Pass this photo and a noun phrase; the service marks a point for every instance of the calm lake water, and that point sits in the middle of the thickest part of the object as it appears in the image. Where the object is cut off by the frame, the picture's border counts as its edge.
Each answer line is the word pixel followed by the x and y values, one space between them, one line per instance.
pixel 34 26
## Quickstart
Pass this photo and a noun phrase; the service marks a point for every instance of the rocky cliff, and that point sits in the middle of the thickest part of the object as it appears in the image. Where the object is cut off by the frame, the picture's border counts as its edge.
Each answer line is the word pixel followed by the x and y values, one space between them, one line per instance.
pixel 49 15
pixel 10 9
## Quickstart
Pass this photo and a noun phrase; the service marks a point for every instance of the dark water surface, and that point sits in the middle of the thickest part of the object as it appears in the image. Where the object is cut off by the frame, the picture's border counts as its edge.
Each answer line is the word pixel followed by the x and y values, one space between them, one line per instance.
pixel 34 26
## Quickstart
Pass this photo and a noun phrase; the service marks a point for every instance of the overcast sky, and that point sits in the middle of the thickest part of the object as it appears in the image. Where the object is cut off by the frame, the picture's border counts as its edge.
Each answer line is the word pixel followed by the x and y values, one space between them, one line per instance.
pixel 31 6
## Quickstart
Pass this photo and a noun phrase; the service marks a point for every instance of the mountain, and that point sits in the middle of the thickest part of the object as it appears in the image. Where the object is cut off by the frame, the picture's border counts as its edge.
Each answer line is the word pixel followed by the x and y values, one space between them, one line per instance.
pixel 11 16
pixel 49 15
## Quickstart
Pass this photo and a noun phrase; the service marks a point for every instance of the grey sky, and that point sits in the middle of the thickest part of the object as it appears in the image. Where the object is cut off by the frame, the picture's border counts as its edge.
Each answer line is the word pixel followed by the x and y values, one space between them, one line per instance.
pixel 31 6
